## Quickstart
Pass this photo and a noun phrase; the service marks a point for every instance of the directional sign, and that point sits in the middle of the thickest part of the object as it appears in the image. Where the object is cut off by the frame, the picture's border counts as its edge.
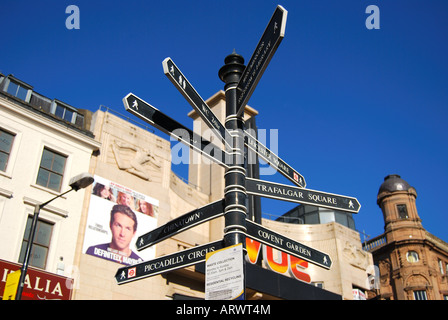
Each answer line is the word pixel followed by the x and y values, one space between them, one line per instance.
pixel 301 195
pixel 272 159
pixel 166 263
pixel 183 85
pixel 180 224
pixel 268 44
pixel 153 116
pixel 285 244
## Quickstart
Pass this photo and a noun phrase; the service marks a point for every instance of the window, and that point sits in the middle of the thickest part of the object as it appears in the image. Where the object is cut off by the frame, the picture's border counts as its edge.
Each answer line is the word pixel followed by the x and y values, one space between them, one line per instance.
pixel 51 170
pixel 412 256
pixel 420 295
pixel 17 90
pixel 41 243
pixel 6 140
pixel 402 211
pixel 442 271
pixel 63 111
pixel 326 216
pixel 312 218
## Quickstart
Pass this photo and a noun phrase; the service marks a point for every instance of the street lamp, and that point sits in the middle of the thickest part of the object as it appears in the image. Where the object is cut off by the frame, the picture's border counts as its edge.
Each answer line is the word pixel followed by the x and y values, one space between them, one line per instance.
pixel 80 181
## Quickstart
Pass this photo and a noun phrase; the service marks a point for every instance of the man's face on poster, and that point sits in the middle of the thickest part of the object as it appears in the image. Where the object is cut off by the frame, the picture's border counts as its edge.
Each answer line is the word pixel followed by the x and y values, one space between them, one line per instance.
pixel 122 228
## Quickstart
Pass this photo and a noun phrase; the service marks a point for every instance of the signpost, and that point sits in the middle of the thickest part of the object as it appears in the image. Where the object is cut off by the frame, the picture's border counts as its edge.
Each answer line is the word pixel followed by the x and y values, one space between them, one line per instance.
pixel 180 224
pixel 166 263
pixel 240 82
pixel 266 47
pixel 300 195
pixel 281 166
pixel 285 244
pixel 183 85
pixel 153 116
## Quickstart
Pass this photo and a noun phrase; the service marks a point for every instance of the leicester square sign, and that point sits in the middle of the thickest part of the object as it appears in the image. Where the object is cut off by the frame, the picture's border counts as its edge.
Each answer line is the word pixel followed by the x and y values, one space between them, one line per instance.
pixel 39 284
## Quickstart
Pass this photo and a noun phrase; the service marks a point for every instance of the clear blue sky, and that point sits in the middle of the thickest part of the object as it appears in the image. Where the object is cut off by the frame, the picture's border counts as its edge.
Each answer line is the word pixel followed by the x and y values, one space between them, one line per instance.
pixel 352 105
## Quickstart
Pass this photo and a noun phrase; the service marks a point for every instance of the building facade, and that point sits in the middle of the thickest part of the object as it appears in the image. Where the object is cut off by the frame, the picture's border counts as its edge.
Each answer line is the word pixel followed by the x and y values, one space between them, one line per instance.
pixel 43 143
pixel 412 263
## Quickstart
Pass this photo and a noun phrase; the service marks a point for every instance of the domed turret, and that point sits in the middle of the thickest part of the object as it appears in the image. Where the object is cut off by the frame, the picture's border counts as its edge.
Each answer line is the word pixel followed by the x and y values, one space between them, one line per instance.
pixel 393 182
pixel 396 198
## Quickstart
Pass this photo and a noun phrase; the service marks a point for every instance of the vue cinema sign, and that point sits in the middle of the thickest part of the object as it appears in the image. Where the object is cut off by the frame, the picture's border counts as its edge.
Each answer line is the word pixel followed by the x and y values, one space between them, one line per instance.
pixel 276 260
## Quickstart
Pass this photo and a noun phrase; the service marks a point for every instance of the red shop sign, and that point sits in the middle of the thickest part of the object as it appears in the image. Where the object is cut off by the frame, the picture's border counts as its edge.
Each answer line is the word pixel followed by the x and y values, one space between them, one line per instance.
pixel 39 284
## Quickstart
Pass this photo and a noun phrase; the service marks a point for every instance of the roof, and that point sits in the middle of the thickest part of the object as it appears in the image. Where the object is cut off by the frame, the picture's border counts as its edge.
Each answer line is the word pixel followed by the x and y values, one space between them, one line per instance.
pixel 392 183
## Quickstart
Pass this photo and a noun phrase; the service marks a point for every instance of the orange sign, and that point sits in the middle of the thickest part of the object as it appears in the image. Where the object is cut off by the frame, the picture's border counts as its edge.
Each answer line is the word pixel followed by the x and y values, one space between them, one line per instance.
pixel 283 263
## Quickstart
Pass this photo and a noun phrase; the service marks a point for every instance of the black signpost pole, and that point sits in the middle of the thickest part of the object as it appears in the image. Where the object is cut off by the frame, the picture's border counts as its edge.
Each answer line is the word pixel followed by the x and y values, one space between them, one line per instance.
pixel 234 192
pixel 235 211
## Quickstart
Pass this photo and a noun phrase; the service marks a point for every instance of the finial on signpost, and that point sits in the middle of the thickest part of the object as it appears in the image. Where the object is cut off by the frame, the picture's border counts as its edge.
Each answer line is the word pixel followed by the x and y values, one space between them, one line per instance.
pixel 231 72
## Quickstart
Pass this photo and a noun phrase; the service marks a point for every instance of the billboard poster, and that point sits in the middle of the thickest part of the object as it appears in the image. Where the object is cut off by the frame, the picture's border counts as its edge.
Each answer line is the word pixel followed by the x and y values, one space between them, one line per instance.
pixel 117 216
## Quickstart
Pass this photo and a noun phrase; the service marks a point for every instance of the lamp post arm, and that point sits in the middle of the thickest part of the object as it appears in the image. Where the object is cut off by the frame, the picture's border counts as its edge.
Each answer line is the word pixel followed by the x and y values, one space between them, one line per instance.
pixel 47 202
pixel 29 245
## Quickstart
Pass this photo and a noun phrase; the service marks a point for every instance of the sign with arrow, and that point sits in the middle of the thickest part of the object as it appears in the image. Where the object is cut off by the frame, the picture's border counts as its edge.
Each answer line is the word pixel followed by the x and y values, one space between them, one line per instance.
pixel 153 116
pixel 183 85
pixel 285 244
pixel 301 195
pixel 266 47
pixel 180 224
pixel 273 160
pixel 166 263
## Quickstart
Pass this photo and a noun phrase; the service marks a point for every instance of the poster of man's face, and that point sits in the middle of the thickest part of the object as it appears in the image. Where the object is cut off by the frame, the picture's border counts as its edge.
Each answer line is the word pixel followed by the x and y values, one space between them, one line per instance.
pixel 116 219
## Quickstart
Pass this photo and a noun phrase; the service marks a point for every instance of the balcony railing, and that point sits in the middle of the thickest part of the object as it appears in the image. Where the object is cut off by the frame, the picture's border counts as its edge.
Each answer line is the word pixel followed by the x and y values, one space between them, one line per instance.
pixel 374 243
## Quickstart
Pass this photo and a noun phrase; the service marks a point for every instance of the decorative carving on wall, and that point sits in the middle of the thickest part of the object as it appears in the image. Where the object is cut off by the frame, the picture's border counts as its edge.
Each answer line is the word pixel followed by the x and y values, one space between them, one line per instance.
pixel 133 159
pixel 355 255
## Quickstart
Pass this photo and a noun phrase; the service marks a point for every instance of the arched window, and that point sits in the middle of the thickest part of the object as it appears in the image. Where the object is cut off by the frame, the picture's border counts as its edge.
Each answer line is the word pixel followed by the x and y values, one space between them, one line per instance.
pixel 412 256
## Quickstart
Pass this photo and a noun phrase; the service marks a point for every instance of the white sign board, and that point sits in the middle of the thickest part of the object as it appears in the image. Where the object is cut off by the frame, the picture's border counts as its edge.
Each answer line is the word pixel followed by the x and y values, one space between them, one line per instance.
pixel 136 212
pixel 224 274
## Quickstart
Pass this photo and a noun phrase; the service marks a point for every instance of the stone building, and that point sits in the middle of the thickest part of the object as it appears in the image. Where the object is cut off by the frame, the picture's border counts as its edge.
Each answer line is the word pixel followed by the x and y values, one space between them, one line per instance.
pixel 412 263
